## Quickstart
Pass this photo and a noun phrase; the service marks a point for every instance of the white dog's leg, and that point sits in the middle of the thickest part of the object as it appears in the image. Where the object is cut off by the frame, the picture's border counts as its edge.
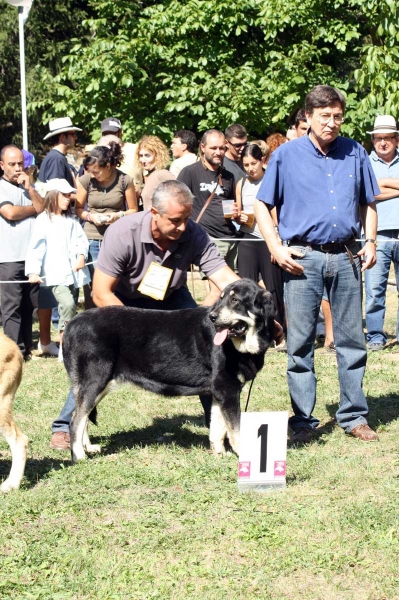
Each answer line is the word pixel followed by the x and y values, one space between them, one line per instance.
pixel 88 446
pixel 78 452
pixel 18 443
pixel 217 430
pixel 233 433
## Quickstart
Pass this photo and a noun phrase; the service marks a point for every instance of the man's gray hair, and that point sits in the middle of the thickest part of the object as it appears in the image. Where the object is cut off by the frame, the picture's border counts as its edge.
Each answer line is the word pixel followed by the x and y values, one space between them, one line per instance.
pixel 171 189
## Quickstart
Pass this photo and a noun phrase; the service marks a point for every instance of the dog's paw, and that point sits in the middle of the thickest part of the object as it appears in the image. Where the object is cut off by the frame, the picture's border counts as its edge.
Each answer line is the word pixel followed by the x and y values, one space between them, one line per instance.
pixel 9 485
pixel 78 454
pixel 218 448
pixel 93 448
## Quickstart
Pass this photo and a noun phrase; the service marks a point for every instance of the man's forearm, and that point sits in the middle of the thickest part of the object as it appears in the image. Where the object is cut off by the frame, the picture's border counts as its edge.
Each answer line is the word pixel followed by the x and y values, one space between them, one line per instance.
pixel 37 200
pixel 106 299
pixel 266 225
pixel 389 182
pixel 387 193
pixel 223 277
pixel 369 219
pixel 17 213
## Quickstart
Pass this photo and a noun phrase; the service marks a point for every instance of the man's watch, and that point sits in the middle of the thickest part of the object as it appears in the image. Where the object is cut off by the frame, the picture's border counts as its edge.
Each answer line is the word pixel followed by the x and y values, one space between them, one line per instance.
pixel 371 241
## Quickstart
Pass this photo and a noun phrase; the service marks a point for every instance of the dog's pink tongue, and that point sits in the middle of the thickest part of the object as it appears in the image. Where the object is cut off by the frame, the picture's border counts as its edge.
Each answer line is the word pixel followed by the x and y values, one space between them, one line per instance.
pixel 220 336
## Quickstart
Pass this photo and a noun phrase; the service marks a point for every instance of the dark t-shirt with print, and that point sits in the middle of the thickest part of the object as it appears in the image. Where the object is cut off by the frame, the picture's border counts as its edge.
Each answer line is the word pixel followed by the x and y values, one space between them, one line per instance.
pixel 202 182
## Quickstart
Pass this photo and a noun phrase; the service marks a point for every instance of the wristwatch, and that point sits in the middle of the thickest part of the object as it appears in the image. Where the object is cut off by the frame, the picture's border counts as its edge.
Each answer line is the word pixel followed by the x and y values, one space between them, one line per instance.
pixel 371 241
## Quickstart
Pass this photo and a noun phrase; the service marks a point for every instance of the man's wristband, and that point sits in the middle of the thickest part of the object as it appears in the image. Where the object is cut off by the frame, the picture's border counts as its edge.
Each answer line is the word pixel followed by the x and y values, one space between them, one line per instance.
pixel 371 241
pixel 88 217
pixel 121 214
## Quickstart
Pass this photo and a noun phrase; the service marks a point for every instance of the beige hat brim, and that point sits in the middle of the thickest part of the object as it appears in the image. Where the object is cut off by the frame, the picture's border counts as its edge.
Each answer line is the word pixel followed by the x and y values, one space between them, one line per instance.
pixel 383 130
pixel 62 130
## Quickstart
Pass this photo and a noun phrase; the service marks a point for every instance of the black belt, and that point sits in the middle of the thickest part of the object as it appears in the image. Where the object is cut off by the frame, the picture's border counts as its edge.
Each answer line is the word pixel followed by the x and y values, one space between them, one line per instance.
pixel 330 247
pixel 334 247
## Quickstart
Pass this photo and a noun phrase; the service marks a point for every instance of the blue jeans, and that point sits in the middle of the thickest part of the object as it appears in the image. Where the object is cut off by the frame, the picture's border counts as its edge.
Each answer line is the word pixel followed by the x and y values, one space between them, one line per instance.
pixel 94 251
pixel 376 281
pixel 303 297
pixel 179 299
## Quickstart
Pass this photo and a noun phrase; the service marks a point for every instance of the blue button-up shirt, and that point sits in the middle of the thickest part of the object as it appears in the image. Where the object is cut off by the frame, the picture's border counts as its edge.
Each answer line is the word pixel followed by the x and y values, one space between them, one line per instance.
pixel 317 196
pixel 388 210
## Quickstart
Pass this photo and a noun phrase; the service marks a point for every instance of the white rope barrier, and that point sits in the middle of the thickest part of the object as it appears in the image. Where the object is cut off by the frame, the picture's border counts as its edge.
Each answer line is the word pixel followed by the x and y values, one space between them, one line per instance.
pixel 263 240
pixel 224 240
pixel 27 281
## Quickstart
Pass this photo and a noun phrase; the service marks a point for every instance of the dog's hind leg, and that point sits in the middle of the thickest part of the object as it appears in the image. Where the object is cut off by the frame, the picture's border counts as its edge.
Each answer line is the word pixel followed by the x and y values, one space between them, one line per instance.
pixel 77 429
pixel 80 441
pixel 88 446
pixel 18 441
pixel 217 429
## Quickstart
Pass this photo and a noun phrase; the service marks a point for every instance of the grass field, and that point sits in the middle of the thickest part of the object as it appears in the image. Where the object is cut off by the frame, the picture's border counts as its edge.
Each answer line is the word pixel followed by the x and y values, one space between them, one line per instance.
pixel 156 516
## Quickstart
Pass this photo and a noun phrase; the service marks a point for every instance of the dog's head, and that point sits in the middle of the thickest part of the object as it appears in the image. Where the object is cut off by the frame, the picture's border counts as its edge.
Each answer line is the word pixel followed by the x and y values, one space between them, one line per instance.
pixel 245 313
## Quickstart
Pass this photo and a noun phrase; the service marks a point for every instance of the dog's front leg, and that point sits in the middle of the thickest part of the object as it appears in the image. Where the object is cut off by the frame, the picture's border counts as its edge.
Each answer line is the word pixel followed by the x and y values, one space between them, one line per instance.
pixel 217 430
pixel 231 413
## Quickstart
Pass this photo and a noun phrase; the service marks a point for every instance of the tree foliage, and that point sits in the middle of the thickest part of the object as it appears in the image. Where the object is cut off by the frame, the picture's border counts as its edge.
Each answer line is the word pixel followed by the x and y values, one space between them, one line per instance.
pixel 162 66
pixel 48 33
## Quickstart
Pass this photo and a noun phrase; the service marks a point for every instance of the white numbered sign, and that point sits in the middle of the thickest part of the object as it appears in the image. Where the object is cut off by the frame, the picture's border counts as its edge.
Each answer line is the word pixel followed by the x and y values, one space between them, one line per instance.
pixel 263 450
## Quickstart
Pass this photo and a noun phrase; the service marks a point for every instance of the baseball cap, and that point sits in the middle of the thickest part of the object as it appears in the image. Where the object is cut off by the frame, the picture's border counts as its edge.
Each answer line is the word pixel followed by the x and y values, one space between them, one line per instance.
pixel 111 124
pixel 59 185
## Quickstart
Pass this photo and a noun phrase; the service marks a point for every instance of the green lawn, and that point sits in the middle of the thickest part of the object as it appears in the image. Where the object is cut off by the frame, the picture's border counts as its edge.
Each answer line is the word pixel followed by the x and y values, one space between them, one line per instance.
pixel 156 516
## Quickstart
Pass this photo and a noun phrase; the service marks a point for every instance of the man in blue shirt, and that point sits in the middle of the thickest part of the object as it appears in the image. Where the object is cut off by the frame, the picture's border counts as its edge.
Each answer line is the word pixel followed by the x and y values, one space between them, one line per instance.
pixel 385 162
pixel 323 186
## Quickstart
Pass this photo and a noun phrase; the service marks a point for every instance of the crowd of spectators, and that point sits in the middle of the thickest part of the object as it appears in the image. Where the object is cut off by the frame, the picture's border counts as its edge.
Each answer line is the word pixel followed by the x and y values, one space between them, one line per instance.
pixel 310 194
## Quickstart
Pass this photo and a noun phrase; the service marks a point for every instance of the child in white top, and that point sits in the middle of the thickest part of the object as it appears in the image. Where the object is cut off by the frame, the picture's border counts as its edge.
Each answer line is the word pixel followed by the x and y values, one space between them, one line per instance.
pixel 58 250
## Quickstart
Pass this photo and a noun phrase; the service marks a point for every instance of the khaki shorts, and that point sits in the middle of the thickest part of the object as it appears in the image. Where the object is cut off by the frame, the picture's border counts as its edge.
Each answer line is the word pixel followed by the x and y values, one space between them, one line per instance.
pixel 229 251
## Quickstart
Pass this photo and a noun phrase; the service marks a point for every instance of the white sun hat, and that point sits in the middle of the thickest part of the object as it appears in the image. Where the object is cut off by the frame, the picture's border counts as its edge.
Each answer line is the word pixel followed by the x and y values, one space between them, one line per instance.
pixel 61 125
pixel 384 124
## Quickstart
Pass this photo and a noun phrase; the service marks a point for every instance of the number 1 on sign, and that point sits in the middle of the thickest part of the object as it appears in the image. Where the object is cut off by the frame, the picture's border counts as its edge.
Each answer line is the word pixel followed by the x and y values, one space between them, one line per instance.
pixel 262 433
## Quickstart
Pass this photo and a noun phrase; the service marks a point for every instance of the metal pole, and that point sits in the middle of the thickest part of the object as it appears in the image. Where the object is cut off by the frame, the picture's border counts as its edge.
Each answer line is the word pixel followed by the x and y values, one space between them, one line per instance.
pixel 23 85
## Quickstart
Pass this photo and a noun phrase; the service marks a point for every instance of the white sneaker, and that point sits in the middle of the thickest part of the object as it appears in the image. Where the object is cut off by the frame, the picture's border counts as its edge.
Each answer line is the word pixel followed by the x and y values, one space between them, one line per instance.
pixel 51 348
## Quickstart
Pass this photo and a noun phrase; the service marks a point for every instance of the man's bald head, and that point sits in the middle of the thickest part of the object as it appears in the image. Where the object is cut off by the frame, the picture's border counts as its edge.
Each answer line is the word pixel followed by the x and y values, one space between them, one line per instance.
pixel 12 163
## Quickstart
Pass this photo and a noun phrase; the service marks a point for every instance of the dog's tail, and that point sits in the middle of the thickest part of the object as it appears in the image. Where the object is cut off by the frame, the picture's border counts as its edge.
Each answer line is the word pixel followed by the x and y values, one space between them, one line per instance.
pixel 93 416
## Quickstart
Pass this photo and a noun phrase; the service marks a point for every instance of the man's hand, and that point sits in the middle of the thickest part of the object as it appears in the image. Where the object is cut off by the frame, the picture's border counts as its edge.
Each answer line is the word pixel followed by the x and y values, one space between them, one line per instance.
pixel 34 278
pixel 368 255
pixel 23 179
pixel 80 263
pixel 283 256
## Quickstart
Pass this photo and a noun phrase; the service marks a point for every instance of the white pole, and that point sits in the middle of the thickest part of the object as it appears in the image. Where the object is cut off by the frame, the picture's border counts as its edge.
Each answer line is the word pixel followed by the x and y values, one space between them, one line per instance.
pixel 23 84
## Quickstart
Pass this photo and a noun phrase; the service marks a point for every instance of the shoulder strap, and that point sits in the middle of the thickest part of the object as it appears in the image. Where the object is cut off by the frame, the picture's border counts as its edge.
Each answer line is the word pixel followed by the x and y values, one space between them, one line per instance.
pixel 220 182
pixel 124 187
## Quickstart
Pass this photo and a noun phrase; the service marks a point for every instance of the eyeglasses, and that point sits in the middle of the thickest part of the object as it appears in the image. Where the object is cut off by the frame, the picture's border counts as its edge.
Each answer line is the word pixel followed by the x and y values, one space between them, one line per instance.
pixel 238 146
pixel 384 138
pixel 325 119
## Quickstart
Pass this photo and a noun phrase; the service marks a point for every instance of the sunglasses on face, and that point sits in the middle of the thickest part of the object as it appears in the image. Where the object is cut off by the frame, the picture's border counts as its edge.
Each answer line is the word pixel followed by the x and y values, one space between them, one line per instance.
pixel 238 146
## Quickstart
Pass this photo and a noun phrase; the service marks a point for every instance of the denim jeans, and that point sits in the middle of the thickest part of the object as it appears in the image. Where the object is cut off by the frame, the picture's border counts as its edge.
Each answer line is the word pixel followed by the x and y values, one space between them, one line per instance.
pixel 179 299
pixel 303 297
pixel 376 281
pixel 94 251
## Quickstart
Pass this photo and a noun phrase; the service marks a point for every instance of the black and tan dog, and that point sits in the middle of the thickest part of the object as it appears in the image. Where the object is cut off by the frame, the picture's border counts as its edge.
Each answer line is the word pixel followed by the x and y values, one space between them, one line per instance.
pixel 173 353
pixel 11 362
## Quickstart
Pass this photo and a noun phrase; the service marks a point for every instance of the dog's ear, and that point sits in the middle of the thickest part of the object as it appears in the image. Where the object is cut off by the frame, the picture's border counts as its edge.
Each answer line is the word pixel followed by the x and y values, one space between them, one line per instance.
pixel 264 303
